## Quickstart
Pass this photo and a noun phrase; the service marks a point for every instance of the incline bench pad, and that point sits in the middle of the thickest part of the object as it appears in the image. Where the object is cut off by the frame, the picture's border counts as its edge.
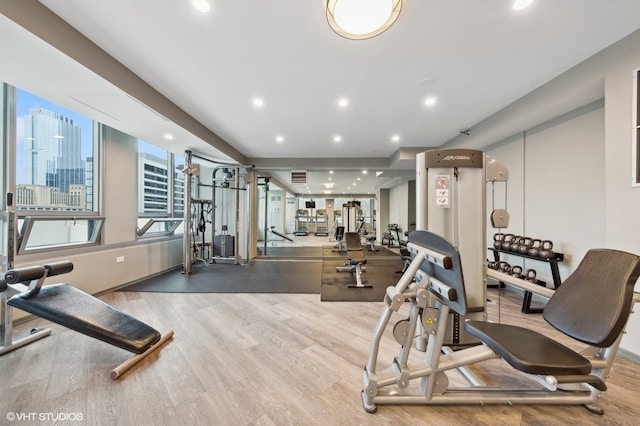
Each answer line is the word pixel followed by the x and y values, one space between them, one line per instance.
pixel 81 312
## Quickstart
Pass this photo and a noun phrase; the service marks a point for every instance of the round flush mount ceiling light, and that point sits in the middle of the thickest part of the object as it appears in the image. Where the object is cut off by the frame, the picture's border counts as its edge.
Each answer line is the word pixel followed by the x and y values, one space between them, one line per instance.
pixel 521 4
pixel 201 5
pixel 362 19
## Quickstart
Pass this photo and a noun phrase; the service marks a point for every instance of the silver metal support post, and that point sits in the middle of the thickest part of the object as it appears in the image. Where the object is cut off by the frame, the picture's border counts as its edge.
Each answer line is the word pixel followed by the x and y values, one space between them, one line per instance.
pixel 186 267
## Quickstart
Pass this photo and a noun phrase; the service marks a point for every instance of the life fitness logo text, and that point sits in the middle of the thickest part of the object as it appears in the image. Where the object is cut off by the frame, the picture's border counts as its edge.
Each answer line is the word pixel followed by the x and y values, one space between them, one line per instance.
pixel 456 157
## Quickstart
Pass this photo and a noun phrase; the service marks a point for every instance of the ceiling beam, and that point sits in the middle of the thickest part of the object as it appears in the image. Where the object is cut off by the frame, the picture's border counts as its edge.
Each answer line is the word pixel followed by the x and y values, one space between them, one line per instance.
pixel 43 23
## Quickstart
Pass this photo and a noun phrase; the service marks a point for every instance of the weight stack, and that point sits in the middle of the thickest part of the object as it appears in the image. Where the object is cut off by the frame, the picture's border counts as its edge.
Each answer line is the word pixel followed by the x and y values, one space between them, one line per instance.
pixel 451 201
pixel 223 245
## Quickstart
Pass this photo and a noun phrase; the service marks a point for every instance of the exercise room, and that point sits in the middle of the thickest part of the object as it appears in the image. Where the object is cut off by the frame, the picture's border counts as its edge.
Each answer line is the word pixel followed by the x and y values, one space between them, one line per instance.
pixel 342 212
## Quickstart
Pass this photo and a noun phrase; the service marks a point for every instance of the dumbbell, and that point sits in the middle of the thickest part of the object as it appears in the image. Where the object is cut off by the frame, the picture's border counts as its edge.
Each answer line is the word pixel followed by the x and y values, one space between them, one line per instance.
pixel 546 251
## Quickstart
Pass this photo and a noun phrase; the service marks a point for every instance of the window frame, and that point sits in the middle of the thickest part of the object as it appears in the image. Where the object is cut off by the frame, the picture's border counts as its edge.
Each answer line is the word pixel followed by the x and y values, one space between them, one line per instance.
pixel 170 215
pixel 146 230
pixel 29 222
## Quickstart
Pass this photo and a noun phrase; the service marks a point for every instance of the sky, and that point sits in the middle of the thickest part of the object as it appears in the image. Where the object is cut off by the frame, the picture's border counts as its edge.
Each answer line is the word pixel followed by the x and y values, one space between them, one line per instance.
pixel 25 101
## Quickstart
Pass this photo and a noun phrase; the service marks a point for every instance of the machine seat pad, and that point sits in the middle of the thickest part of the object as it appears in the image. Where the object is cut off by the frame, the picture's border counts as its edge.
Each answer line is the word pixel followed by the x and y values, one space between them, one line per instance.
pixel 353 261
pixel 68 306
pixel 529 351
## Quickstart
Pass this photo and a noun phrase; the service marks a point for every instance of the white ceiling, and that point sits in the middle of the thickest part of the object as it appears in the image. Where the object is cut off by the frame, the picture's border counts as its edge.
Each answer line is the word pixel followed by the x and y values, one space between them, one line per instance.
pixel 474 57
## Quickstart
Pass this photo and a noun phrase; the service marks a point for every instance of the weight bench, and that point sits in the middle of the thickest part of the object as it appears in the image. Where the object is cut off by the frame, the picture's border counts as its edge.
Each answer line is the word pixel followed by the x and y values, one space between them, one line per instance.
pixel 72 308
pixel 592 306
pixel 356 260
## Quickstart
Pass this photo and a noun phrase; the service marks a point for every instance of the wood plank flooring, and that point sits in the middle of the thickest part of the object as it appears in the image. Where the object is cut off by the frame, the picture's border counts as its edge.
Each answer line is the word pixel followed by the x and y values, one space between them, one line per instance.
pixel 256 359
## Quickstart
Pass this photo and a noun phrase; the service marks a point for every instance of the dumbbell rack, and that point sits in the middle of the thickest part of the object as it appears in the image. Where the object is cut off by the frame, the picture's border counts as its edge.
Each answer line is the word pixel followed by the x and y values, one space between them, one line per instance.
pixel 555 273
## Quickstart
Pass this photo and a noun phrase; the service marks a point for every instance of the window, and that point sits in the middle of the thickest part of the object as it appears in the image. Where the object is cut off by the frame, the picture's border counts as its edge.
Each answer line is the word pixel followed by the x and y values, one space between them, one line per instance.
pixel 636 128
pixel 54 157
pixel 160 192
pixel 38 233
pixel 48 154
pixel 178 186
pixel 157 227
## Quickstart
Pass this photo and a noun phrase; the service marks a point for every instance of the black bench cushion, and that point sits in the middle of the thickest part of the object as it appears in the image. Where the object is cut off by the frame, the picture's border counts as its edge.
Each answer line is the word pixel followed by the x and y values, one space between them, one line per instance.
pixel 81 312
pixel 529 351
pixel 593 304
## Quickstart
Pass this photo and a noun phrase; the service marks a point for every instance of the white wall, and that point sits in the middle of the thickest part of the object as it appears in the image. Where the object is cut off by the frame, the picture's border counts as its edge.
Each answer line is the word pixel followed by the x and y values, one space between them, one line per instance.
pixel 576 168
pixel 556 186
pixel 622 202
pixel 398 206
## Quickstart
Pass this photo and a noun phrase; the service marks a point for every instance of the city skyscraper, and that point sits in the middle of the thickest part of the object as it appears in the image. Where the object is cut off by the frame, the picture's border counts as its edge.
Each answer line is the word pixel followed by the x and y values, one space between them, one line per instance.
pixel 52 150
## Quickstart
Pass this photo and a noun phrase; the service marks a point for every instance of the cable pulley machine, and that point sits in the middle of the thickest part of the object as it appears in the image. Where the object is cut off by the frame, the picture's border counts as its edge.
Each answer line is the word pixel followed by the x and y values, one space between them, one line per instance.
pixel 451 201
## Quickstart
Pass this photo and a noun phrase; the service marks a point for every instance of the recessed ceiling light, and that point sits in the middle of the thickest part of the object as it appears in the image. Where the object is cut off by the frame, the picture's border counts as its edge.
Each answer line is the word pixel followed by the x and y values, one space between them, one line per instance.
pixel 426 81
pixel 430 101
pixel 343 102
pixel 330 171
pixel 258 102
pixel 201 5
pixel 279 139
pixel 364 172
pixel 168 136
pixel 521 4
pixel 395 138
pixel 357 178
pixel 337 138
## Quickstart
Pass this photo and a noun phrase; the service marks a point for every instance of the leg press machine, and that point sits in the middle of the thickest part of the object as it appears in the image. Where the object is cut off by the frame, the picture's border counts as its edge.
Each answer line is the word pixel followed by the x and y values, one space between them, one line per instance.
pixel 592 307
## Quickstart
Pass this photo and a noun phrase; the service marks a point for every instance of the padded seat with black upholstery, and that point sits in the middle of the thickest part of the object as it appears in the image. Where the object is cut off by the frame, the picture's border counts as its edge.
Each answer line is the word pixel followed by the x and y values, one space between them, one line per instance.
pixel 23 288
pixel 591 306
pixel 68 306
